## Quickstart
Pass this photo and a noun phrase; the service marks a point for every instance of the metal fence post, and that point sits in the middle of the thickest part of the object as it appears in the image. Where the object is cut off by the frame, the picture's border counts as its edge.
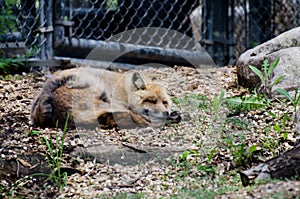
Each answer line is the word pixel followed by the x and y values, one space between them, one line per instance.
pixel 59 29
pixel 49 29
pixel 220 31
pixel 216 36
pixel 42 50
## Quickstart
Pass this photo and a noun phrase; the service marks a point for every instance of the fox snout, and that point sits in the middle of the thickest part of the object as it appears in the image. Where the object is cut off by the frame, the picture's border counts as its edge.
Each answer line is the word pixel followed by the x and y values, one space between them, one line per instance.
pixel 156 114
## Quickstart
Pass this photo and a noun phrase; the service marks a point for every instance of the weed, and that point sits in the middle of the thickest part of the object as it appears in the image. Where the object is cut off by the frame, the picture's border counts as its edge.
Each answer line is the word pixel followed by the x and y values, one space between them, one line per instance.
pixel 265 75
pixel 188 165
pixel 206 168
pixel 127 196
pixel 270 143
pixel 184 162
pixel 279 130
pixel 55 158
pixel 211 154
pixel 284 119
pixel 244 103
pixel 2 188
pixel 217 121
pixel 193 101
pixel 7 65
pixel 204 103
pixel 239 152
pixel 198 193
pixel 185 154
pixel 294 101
pixel 238 122
pixel 214 189
pixel 251 150
pixel 217 116
pixel 217 102
pixel 33 133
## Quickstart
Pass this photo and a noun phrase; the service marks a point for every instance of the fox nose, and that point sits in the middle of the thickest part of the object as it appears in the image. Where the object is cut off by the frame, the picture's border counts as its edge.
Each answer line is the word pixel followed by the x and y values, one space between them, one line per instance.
pixel 165 114
pixel 146 112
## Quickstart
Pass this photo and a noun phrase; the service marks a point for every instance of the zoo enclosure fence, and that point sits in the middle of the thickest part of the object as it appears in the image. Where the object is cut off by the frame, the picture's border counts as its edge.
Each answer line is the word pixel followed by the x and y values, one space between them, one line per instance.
pixel 59 28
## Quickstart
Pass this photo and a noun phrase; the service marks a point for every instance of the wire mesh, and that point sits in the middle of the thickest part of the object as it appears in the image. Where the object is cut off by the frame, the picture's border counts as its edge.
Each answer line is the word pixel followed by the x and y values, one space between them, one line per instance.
pixel 101 20
pixel 224 28
pixel 257 21
pixel 20 21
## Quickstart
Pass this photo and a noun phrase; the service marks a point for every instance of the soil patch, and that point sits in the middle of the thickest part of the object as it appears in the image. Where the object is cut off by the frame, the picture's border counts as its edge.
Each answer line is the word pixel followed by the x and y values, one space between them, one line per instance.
pixel 201 155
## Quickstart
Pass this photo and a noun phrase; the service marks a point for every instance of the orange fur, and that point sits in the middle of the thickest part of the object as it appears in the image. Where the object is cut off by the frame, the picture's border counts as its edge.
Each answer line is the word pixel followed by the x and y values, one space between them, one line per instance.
pixel 96 97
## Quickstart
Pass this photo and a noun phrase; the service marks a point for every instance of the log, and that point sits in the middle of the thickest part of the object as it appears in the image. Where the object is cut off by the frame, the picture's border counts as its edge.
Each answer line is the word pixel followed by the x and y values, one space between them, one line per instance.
pixel 284 166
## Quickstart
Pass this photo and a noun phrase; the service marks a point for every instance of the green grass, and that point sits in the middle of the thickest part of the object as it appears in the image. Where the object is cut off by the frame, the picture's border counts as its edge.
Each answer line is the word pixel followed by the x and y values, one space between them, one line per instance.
pixel 11 65
pixel 231 130
pixel 197 101
pixel 124 196
pixel 195 194
pixel 222 137
pixel 238 123
pixel 54 157
pixel 211 188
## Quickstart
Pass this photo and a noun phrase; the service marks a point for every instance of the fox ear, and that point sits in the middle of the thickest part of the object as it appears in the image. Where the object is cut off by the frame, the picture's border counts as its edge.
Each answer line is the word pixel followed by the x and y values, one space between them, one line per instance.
pixel 138 82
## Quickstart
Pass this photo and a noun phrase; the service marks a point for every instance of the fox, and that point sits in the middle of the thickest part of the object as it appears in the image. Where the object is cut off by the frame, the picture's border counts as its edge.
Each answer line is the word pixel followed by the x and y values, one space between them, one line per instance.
pixel 89 98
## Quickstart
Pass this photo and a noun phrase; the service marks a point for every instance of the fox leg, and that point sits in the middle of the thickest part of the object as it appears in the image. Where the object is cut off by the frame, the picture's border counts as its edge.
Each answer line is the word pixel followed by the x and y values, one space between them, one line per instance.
pixel 122 119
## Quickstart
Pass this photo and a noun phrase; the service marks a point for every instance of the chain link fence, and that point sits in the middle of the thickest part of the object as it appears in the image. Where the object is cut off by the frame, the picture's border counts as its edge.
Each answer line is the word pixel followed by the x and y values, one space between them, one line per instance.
pixel 257 21
pixel 20 27
pixel 60 28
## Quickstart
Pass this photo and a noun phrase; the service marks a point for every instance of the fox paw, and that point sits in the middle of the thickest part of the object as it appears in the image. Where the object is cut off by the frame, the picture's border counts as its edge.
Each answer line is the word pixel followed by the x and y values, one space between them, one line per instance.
pixel 173 118
pixel 121 119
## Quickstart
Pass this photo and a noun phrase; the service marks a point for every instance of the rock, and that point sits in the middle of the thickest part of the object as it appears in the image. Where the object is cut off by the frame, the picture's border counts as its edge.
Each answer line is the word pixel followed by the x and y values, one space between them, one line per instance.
pixel 285 46
pixel 196 21
pixel 127 154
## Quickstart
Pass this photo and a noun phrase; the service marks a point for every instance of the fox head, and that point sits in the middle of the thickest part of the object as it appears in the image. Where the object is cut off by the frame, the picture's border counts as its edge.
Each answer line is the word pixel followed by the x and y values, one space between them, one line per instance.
pixel 149 100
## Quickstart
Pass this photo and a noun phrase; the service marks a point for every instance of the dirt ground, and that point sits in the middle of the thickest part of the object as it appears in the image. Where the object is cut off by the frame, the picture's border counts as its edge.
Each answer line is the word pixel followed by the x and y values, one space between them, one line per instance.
pixel 198 158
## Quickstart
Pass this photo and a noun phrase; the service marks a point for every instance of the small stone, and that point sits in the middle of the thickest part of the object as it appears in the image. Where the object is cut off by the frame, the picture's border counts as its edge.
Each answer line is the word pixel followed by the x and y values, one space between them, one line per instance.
pixel 192 87
pixel 73 143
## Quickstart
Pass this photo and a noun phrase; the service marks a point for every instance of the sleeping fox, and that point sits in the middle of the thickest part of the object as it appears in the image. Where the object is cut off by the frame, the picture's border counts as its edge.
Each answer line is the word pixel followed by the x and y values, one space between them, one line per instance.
pixel 95 97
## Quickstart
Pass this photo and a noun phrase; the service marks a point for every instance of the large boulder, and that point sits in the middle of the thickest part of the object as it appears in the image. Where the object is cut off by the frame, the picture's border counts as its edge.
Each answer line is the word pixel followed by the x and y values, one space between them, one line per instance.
pixel 285 46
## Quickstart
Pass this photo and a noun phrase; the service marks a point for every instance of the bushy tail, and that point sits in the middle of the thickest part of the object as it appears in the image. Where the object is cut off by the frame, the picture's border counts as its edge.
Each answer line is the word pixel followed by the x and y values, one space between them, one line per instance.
pixel 42 107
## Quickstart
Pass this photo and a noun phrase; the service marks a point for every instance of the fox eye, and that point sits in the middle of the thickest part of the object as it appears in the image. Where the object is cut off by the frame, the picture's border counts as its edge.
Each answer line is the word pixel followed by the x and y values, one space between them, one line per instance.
pixel 152 101
pixel 165 103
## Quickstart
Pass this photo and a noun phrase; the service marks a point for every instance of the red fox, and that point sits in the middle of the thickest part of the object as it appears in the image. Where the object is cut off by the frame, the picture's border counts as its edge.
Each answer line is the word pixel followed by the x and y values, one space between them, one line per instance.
pixel 96 97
